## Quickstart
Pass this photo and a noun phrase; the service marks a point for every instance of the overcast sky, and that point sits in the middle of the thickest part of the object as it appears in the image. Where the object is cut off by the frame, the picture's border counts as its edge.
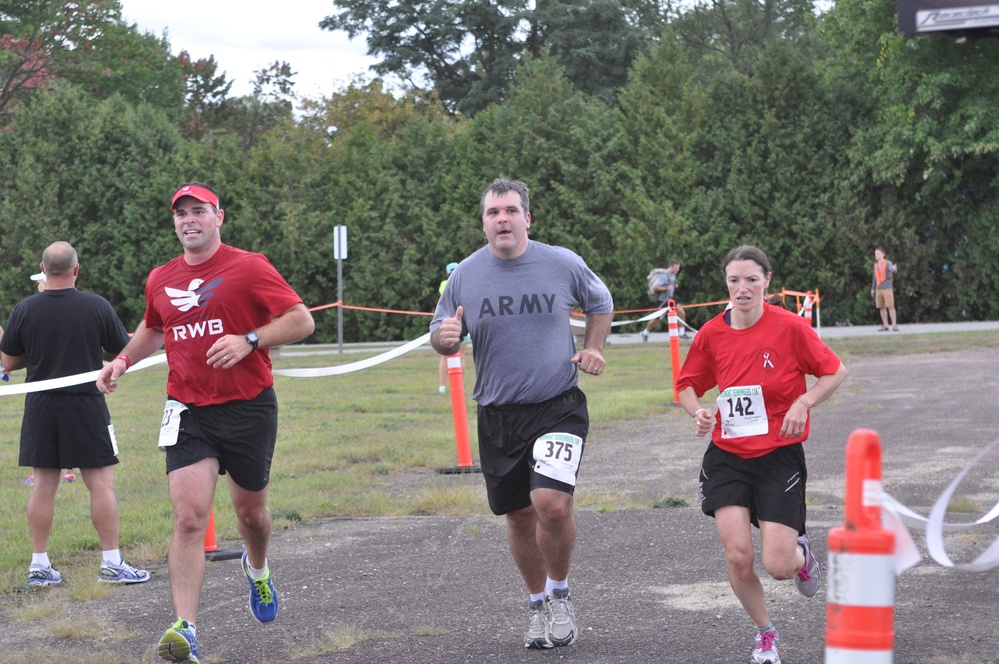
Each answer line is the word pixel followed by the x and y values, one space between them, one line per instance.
pixel 246 35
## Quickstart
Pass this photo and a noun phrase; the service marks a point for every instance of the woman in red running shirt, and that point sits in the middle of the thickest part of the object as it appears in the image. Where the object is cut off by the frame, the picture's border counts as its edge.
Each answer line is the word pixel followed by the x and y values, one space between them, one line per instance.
pixel 753 472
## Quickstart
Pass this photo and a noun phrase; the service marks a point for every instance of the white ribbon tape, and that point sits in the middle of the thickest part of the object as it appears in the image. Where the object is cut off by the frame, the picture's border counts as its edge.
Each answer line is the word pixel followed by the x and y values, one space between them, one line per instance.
pixel 897 516
pixel 355 366
pixel 658 313
pixel 77 379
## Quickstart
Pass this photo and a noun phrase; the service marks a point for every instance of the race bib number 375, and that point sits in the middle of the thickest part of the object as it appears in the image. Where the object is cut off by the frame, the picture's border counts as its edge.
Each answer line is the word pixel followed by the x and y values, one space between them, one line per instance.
pixel 556 455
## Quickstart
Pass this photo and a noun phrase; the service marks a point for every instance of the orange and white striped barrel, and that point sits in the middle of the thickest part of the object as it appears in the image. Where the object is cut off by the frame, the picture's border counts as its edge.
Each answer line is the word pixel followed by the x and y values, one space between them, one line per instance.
pixel 860 597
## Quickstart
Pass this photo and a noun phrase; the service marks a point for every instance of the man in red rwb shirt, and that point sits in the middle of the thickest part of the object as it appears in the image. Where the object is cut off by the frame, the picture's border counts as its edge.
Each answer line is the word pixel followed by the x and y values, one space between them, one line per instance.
pixel 753 472
pixel 233 292
pixel 217 310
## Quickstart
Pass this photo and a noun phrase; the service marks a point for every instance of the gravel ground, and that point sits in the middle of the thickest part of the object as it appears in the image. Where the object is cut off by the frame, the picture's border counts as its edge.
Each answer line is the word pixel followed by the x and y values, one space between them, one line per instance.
pixel 649 585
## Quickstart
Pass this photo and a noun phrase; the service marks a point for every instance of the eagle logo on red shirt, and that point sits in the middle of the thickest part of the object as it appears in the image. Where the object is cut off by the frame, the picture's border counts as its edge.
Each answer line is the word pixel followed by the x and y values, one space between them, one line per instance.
pixel 196 294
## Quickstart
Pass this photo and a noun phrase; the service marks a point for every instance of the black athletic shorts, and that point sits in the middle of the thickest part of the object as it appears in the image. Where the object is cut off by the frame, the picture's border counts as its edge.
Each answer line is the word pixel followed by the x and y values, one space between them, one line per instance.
pixel 772 486
pixel 507 436
pixel 241 434
pixel 67 430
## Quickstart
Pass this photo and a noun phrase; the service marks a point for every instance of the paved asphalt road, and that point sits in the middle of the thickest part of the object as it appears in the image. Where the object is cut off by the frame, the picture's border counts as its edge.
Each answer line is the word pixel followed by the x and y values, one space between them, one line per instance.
pixel 649 584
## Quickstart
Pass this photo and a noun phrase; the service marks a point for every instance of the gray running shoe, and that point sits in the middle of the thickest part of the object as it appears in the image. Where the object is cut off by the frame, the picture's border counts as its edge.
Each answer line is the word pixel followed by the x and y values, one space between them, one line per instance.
pixel 562 630
pixel 809 576
pixel 537 628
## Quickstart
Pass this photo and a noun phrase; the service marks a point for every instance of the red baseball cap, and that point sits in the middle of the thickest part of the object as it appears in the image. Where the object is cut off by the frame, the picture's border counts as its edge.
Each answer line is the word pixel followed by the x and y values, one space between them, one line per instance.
pixel 203 194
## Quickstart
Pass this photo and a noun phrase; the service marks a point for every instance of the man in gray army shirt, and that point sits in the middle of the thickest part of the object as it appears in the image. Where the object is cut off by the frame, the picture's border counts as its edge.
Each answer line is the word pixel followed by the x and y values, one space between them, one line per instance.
pixel 514 297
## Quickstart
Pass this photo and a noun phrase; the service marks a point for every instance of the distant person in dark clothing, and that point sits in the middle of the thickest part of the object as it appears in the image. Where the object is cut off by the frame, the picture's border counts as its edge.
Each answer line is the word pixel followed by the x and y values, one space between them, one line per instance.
pixel 56 333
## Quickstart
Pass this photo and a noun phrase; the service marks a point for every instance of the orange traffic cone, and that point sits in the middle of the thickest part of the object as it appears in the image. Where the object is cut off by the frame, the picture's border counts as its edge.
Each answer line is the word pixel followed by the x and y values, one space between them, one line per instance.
pixel 210 543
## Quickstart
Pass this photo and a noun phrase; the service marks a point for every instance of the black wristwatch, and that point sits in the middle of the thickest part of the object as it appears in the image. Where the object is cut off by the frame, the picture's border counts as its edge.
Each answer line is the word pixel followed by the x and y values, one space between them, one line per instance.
pixel 253 339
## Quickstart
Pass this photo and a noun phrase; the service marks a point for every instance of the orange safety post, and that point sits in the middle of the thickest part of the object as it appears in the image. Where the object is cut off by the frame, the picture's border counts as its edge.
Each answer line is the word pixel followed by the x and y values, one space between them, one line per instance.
pixel 809 302
pixel 860 600
pixel 674 346
pixel 210 542
pixel 459 415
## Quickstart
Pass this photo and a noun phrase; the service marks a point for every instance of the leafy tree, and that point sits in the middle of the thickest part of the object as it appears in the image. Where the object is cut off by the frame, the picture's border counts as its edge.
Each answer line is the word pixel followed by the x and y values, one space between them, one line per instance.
pixel 270 105
pixel 36 37
pixel 92 173
pixel 660 112
pixel 921 177
pixel 723 34
pixel 469 50
pixel 87 43
pixel 207 95
pixel 384 176
pixel 556 139
pixel 767 167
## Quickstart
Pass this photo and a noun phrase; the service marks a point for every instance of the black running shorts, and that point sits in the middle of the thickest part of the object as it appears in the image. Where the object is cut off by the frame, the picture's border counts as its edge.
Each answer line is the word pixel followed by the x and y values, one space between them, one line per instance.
pixel 506 446
pixel 772 486
pixel 66 430
pixel 241 434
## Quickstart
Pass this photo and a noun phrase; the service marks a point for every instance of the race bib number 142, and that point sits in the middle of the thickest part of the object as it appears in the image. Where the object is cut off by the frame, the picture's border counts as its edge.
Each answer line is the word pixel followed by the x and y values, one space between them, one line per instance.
pixel 742 411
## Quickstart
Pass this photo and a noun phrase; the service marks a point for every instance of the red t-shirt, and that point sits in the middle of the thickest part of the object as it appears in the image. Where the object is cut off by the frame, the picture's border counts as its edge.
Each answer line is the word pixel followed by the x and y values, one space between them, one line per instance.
pixel 776 353
pixel 232 293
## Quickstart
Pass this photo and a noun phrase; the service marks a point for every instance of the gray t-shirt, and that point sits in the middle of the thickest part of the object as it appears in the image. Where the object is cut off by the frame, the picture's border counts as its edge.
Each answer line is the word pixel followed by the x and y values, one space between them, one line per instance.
pixel 517 313
pixel 667 280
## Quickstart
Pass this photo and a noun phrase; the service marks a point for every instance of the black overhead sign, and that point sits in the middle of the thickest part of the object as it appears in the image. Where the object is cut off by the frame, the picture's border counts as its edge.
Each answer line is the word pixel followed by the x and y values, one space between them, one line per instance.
pixel 959 18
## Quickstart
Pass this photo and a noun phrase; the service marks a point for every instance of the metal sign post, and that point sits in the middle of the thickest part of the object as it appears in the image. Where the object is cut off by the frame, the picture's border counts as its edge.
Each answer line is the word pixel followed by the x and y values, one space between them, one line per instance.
pixel 339 253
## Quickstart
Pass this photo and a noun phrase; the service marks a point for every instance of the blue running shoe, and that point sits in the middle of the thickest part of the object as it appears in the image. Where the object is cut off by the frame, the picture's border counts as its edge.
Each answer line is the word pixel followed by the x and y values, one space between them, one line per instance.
pixel 178 643
pixel 43 576
pixel 122 573
pixel 263 596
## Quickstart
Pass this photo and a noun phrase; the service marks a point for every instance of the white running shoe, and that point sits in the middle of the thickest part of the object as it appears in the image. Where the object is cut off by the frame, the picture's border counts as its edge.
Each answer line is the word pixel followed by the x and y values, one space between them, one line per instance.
pixel 562 630
pixel 43 576
pixel 537 627
pixel 765 648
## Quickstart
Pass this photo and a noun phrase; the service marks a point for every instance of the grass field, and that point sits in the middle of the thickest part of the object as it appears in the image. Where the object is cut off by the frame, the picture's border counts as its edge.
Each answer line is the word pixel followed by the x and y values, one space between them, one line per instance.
pixel 344 444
